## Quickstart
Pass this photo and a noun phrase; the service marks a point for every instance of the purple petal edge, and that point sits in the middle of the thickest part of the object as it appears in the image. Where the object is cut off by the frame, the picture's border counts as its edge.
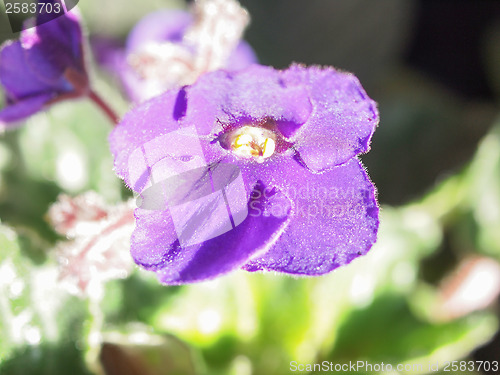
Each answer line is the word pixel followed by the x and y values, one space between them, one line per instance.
pixel 212 258
pixel 334 220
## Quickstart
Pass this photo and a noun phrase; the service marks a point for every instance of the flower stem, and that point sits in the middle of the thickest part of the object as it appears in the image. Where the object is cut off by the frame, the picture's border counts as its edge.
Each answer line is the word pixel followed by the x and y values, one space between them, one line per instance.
pixel 105 107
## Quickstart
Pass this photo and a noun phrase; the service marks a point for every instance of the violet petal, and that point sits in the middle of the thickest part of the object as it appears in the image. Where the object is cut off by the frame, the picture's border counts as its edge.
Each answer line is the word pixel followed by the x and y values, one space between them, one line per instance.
pixel 183 131
pixel 343 119
pixel 53 47
pixel 161 26
pixel 242 57
pixel 22 109
pixel 145 135
pixel 16 75
pixel 43 64
pixel 334 219
pixel 254 94
pixel 155 244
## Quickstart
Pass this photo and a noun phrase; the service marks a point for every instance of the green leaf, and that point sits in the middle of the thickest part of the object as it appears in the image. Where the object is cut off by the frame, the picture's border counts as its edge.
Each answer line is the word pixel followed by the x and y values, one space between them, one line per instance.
pixel 16 186
pixel 366 335
pixel 483 179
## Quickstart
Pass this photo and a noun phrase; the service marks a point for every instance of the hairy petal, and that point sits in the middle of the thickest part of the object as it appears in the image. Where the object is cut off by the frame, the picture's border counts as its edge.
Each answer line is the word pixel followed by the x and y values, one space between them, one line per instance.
pixel 235 99
pixel 156 246
pixel 342 121
pixel 334 219
pixel 174 143
pixel 154 140
pixel 98 241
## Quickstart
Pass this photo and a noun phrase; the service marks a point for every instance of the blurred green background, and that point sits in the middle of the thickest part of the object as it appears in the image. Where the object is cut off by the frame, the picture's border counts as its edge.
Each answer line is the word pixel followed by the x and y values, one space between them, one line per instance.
pixel 434 69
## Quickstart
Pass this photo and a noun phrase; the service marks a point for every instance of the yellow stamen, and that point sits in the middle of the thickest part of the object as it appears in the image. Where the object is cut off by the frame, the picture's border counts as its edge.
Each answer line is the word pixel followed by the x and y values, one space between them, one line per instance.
pixel 253 142
pixel 268 148
pixel 242 140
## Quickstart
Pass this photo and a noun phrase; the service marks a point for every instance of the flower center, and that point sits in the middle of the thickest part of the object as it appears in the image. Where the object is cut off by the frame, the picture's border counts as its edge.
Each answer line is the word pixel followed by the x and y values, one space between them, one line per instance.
pixel 252 142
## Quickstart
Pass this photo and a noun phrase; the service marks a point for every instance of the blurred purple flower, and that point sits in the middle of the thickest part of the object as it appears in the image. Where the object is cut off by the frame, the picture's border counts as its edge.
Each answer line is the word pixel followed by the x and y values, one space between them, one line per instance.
pixel 44 66
pixel 170 48
pixel 294 199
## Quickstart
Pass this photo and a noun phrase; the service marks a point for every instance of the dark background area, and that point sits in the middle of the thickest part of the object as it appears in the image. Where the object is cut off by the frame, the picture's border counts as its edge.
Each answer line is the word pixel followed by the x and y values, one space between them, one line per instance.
pixel 436 60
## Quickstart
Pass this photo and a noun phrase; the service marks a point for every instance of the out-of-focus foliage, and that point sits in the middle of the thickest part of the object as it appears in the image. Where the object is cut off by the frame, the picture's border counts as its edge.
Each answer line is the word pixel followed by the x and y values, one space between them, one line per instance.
pixel 62 149
pixel 377 309
pixel 382 307
pixel 113 18
pixel 40 324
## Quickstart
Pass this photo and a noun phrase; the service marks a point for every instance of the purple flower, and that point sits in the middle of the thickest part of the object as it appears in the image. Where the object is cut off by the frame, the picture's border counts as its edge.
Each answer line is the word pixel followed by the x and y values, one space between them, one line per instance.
pixel 256 169
pixel 170 48
pixel 44 66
